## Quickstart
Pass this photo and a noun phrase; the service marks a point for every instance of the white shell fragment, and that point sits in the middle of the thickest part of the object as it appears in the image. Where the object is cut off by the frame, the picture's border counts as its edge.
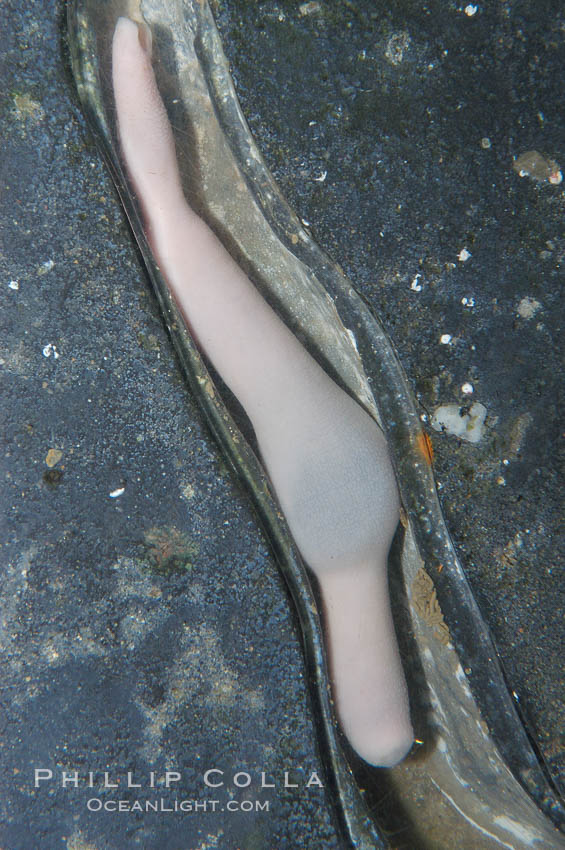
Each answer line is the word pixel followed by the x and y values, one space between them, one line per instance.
pixel 50 350
pixel 536 166
pixel 45 267
pixel 415 286
pixel 468 425
pixel 528 307
pixel 309 8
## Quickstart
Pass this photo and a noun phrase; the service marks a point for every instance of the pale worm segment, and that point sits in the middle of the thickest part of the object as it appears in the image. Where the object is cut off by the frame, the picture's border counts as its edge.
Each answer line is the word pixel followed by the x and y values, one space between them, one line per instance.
pixel 326 457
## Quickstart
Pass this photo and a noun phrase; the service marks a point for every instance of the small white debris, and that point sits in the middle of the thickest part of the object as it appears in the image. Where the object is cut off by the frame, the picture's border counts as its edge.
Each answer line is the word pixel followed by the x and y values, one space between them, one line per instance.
pixel 467 388
pixel 485 143
pixel 309 8
pixel 45 267
pixel 470 10
pixel 535 165
pixel 188 492
pixel 14 284
pixel 468 426
pixel 528 307
pixel 468 302
pixel 50 350
pixel 115 493
pixel 463 255
pixel 322 177
pixel 415 286
pixel 396 47
pixel 445 339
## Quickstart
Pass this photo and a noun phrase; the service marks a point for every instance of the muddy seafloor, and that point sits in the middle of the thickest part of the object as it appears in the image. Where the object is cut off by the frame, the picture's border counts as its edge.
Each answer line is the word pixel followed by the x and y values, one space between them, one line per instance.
pixel 145 625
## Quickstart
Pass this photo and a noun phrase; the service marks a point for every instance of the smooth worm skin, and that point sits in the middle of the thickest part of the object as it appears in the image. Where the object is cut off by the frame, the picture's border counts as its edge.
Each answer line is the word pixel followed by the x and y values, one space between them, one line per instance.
pixel 326 457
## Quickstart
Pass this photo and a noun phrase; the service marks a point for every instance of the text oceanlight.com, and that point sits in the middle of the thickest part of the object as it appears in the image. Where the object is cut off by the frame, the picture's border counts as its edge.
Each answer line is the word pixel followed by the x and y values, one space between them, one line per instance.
pixel 97 804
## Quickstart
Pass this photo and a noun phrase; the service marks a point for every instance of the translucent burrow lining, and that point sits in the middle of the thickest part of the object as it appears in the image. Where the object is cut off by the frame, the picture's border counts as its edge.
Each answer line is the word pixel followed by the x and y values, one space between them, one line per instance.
pixel 476 759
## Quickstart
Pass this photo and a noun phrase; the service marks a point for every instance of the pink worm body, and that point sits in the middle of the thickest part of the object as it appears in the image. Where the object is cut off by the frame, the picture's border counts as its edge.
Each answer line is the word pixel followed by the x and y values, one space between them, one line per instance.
pixel 326 457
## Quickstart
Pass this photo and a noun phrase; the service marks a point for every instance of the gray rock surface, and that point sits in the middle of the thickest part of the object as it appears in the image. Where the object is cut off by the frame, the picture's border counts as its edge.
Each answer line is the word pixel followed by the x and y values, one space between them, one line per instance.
pixel 144 623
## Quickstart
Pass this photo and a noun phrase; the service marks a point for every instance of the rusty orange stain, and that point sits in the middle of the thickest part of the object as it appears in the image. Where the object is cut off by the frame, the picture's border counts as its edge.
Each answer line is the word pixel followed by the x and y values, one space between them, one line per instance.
pixel 425 447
